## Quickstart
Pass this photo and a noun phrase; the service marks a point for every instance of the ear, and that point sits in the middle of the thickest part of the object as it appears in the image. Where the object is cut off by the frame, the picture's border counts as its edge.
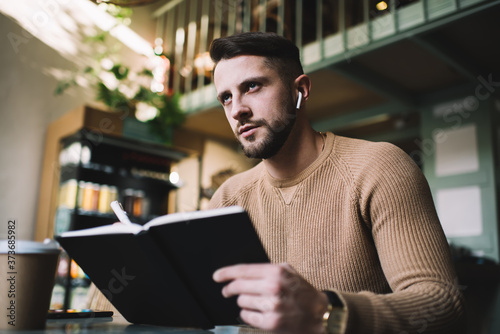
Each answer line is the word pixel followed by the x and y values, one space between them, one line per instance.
pixel 302 84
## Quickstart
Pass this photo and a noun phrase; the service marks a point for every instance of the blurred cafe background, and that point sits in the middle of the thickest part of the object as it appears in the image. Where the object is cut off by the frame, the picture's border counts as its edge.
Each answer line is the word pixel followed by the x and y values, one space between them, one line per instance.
pixel 104 100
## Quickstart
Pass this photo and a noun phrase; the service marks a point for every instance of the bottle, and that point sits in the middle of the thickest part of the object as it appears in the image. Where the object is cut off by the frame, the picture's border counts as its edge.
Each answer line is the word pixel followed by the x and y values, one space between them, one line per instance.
pixel 145 207
pixel 138 201
pixel 113 196
pixel 103 199
pixel 96 189
pixel 70 196
pixel 88 192
pixel 81 190
pixel 85 155
pixel 62 195
pixel 73 269
pixel 57 299
pixel 128 201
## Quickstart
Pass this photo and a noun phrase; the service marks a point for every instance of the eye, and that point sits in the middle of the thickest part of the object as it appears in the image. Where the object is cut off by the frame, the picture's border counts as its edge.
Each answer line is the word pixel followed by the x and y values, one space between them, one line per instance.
pixel 252 86
pixel 225 99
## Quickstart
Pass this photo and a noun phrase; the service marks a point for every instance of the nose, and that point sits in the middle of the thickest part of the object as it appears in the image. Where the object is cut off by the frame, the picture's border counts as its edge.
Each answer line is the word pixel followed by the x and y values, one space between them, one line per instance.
pixel 239 109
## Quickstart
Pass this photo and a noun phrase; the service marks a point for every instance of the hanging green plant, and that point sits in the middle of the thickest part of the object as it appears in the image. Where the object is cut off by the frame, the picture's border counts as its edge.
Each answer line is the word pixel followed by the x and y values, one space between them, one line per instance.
pixel 120 71
pixel 121 89
pixel 114 99
pixel 169 117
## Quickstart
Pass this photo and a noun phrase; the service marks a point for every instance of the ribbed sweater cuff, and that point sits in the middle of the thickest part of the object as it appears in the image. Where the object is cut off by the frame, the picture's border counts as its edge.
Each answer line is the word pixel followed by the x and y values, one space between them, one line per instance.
pixel 359 312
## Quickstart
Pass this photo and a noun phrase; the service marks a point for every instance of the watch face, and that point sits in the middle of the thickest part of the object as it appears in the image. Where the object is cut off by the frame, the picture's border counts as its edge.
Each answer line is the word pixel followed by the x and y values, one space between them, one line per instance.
pixel 334 299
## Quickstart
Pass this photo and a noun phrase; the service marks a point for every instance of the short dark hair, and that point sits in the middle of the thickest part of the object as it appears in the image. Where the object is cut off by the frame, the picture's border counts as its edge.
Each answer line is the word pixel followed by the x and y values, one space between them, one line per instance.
pixel 281 54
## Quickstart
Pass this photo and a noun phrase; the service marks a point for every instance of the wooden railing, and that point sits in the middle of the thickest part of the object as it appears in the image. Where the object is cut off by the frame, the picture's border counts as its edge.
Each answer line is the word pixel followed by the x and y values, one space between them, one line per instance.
pixel 326 31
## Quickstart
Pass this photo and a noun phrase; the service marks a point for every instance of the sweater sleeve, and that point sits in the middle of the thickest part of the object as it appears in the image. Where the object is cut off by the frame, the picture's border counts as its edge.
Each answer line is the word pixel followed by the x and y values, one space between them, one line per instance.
pixel 394 201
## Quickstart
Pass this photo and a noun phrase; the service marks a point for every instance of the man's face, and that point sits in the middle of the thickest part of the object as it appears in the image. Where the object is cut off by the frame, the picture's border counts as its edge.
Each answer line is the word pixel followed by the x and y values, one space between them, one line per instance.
pixel 259 107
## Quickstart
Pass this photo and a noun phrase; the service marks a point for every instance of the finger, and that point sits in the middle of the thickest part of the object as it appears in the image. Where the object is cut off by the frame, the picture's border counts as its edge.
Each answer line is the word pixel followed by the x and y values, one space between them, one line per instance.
pixel 246 271
pixel 266 287
pixel 259 303
pixel 265 321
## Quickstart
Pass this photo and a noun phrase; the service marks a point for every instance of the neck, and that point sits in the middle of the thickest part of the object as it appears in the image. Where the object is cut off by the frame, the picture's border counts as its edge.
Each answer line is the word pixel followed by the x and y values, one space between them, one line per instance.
pixel 302 147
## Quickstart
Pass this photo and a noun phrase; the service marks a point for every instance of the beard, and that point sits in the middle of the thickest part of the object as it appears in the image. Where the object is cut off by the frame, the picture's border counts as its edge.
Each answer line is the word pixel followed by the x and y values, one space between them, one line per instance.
pixel 275 136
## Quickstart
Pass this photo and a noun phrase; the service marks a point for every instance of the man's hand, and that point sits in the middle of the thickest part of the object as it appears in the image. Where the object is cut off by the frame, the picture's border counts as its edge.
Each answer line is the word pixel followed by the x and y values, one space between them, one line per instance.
pixel 274 297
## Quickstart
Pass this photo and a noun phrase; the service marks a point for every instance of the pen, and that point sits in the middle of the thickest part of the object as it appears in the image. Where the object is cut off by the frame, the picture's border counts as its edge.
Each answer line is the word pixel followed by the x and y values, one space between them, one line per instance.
pixel 120 213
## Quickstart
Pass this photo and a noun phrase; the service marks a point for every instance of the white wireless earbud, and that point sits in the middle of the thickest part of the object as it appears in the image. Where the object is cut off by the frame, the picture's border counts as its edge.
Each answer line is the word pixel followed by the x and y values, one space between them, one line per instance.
pixel 299 100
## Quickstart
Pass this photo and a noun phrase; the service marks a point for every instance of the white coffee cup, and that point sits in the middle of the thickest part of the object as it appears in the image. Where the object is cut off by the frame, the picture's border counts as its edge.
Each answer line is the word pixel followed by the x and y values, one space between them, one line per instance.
pixel 27 272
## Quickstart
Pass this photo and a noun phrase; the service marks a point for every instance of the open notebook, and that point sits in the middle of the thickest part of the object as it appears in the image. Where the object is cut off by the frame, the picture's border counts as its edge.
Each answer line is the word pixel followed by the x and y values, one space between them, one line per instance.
pixel 161 273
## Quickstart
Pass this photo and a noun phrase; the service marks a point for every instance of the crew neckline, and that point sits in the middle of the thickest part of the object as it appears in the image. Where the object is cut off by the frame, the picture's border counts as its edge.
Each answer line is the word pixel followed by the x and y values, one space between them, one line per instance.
pixel 294 180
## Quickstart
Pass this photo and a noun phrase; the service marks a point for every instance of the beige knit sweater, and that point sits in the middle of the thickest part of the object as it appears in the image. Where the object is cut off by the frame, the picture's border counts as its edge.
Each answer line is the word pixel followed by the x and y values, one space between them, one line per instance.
pixel 359 221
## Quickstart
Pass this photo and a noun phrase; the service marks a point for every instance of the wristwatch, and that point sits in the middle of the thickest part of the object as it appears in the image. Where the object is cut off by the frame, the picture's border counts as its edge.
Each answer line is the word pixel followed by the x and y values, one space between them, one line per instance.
pixel 334 319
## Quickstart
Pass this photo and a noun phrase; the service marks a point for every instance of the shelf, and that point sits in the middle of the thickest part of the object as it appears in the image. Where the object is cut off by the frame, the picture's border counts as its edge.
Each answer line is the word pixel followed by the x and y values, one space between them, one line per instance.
pixel 82 159
pixel 106 174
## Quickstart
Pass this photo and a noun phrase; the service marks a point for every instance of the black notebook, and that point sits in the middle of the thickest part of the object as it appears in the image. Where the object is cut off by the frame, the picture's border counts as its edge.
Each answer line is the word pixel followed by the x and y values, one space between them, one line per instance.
pixel 161 273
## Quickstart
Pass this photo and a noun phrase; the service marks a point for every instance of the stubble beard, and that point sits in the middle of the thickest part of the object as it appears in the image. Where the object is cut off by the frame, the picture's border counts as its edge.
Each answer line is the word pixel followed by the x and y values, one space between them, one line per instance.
pixel 275 137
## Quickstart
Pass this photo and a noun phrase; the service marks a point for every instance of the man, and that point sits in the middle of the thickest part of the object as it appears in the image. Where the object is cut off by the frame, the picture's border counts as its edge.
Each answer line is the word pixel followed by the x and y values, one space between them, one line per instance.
pixel 349 225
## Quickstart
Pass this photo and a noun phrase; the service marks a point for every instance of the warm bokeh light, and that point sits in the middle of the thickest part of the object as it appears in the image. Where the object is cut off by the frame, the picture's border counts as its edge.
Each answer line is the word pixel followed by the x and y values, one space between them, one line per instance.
pixel 382 5
pixel 158 50
pixel 203 62
pixel 158 41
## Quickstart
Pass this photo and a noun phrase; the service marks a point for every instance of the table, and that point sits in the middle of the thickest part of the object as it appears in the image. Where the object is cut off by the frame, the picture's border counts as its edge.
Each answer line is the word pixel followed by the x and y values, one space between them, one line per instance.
pixel 117 324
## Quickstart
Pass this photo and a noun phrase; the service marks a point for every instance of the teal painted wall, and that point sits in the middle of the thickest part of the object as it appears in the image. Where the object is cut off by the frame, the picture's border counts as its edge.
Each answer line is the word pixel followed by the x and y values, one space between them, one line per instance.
pixel 438 123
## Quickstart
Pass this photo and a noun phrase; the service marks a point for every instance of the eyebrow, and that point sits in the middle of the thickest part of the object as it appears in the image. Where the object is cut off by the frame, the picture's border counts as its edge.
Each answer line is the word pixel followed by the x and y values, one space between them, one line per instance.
pixel 244 83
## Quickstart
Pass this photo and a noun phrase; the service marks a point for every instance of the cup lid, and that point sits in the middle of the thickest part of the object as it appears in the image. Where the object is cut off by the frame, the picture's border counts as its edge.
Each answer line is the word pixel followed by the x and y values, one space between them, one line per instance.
pixel 29 247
